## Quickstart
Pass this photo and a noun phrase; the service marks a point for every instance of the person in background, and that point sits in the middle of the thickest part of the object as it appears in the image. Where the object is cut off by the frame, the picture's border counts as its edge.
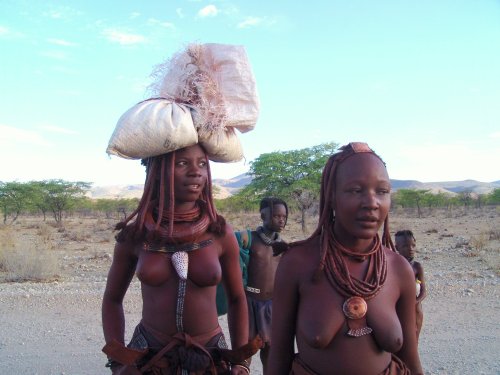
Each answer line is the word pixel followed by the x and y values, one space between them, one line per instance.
pixel 261 271
pixel 344 294
pixel 406 245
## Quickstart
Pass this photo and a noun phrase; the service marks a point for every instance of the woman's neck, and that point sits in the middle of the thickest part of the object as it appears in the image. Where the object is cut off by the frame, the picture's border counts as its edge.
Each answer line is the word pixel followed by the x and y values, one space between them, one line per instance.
pixel 355 244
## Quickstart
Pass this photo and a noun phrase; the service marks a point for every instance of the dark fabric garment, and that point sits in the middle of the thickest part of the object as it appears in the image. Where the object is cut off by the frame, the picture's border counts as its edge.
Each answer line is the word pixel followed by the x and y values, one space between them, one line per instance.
pixel 259 317
pixel 396 367
pixel 169 355
pixel 244 239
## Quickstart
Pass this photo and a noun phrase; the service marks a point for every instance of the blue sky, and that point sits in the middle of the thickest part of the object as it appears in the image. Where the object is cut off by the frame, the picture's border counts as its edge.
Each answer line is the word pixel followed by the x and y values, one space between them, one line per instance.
pixel 418 80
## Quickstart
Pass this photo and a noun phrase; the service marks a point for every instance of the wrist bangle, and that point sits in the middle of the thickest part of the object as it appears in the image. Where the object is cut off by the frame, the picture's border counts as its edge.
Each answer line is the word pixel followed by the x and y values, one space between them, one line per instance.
pixel 243 366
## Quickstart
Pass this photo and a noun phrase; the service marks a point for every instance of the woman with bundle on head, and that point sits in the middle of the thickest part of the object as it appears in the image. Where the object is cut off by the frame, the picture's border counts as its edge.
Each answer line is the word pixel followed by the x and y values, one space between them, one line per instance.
pixel 344 294
pixel 175 242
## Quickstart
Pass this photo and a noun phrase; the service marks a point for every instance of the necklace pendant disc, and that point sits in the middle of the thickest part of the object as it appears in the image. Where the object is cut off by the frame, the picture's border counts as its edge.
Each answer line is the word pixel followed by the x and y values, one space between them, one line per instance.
pixel 354 307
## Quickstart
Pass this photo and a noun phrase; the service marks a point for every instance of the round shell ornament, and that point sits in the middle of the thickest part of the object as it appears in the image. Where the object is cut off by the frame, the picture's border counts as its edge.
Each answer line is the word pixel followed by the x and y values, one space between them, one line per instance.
pixel 180 261
pixel 355 307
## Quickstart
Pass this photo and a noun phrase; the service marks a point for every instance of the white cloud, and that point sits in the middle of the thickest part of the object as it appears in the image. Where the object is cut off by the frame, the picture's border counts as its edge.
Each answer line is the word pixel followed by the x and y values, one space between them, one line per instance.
pixel 156 22
pixel 62 13
pixel 495 135
pixel 10 136
pixel 179 12
pixel 56 55
pixel 134 15
pixel 56 129
pixel 6 32
pixel 250 22
pixel 208 11
pixel 61 42
pixel 123 38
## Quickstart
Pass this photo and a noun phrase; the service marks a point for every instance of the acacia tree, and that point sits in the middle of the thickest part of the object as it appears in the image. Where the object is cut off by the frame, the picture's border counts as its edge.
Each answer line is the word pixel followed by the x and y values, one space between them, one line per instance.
pixel 294 176
pixel 411 198
pixel 61 195
pixel 494 197
pixel 14 197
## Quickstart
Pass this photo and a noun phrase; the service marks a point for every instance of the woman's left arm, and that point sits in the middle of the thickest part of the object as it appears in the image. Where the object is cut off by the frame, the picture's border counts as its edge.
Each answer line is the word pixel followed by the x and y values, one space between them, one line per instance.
pixel 421 277
pixel 233 285
pixel 405 309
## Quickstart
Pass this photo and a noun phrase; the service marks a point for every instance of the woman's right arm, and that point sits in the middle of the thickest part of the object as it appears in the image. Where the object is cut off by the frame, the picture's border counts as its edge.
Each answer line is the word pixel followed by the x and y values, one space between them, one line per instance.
pixel 285 305
pixel 119 277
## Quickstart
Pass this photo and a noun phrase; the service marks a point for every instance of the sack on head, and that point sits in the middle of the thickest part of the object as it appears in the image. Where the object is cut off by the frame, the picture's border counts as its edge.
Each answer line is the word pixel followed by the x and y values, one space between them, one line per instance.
pixel 201 95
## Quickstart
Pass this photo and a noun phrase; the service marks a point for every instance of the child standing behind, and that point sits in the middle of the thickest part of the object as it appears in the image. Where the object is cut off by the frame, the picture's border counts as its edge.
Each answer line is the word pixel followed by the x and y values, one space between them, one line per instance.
pixel 406 246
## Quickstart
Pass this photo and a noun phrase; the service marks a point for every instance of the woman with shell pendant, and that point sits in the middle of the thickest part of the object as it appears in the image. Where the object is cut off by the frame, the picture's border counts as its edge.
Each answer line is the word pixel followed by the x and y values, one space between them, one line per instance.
pixel 344 294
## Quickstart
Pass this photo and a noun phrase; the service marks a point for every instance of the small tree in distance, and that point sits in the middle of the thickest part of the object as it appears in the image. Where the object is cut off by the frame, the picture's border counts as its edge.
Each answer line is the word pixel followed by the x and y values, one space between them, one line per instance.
pixel 294 176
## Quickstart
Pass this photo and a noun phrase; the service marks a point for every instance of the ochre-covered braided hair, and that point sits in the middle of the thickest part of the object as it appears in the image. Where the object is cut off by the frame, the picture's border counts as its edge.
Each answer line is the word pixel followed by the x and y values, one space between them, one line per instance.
pixel 158 195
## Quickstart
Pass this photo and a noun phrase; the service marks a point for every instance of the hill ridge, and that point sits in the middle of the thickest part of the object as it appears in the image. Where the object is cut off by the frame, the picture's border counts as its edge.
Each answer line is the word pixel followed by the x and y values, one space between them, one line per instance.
pixel 228 187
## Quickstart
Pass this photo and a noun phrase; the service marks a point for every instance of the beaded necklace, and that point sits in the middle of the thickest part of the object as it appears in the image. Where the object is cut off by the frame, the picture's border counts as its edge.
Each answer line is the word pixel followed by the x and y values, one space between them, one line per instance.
pixel 356 291
pixel 269 241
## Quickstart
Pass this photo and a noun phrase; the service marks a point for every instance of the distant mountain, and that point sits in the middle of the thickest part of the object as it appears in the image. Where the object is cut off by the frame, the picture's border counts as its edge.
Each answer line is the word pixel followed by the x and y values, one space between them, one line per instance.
pixel 228 187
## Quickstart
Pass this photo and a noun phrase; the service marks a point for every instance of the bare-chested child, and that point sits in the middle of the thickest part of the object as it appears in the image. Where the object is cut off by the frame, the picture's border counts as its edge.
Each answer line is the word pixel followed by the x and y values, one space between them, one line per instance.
pixel 406 245
pixel 261 271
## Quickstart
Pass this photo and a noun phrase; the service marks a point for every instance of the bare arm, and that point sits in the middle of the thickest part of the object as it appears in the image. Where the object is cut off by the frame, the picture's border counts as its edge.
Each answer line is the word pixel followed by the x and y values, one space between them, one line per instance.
pixel 421 277
pixel 405 309
pixel 285 305
pixel 233 285
pixel 119 278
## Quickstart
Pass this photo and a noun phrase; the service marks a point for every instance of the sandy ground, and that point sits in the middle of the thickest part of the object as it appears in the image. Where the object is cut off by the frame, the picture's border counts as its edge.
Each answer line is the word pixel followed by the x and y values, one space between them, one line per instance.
pixel 55 328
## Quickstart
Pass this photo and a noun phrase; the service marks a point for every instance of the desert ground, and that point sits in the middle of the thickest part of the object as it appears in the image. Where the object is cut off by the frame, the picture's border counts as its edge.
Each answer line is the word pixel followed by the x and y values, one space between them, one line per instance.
pixel 54 327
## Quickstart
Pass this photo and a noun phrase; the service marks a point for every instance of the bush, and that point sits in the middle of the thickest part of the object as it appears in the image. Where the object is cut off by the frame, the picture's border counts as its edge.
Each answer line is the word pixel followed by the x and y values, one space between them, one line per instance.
pixel 26 261
pixel 31 264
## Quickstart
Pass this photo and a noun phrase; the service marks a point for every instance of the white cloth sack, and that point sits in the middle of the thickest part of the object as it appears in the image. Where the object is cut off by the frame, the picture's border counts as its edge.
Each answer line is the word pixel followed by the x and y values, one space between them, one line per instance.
pixel 201 95
pixel 152 127
pixel 217 80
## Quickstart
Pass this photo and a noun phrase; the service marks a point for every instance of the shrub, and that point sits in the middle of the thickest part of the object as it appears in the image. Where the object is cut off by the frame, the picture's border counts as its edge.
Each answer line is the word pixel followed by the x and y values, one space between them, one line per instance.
pixel 31 264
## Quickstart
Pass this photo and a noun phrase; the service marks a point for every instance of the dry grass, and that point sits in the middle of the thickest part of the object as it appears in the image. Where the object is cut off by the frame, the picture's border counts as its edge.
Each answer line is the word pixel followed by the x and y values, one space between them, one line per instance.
pixel 31 264
pixel 32 248
pixel 28 258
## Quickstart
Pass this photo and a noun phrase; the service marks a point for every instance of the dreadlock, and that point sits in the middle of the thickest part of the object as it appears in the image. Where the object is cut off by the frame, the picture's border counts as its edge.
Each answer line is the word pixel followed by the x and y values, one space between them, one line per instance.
pixel 270 202
pixel 159 194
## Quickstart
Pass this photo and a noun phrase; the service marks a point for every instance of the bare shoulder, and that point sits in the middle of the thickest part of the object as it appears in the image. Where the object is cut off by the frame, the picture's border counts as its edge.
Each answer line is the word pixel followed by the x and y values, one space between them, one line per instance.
pixel 418 266
pixel 127 249
pixel 227 240
pixel 302 257
pixel 399 264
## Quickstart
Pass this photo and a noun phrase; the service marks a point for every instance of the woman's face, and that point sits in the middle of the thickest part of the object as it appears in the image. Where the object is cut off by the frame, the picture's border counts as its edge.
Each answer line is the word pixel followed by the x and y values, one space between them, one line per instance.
pixel 190 173
pixel 362 198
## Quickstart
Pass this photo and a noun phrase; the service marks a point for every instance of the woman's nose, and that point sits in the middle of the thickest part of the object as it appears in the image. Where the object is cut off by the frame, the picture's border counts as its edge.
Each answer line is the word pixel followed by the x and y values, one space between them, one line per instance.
pixel 370 200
